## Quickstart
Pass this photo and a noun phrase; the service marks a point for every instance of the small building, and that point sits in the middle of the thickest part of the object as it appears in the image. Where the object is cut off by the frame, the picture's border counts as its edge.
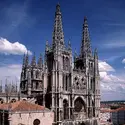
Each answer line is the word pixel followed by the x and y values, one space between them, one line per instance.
pixel 118 116
pixel 25 113
pixel 105 116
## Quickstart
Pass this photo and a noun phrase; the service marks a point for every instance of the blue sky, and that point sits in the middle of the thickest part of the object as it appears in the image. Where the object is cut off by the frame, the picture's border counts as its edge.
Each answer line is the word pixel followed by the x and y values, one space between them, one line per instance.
pixel 27 24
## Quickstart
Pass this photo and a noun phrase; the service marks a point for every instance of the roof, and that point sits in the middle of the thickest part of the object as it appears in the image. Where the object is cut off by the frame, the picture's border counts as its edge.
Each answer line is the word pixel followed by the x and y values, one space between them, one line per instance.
pixel 105 110
pixel 112 110
pixel 120 109
pixel 22 106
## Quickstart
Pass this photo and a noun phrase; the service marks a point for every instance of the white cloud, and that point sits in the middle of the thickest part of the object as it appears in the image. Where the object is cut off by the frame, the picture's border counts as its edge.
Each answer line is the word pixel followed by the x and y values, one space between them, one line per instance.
pixel 10 72
pixel 105 67
pixel 111 84
pixel 115 44
pixel 15 48
pixel 123 61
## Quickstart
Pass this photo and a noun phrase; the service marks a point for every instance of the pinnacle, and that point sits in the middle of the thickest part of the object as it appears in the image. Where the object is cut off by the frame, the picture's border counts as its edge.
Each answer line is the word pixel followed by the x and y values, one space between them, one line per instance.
pixel 58 36
pixel 85 22
pixel 33 63
pixel 58 9
pixel 86 47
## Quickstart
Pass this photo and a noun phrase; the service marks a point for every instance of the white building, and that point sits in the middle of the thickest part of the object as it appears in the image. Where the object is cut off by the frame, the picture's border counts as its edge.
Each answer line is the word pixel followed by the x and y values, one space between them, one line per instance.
pixel 105 116
pixel 25 113
pixel 118 116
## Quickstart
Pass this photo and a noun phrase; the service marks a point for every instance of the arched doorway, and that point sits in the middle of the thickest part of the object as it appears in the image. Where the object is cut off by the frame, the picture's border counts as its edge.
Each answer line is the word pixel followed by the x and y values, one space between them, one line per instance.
pixel 79 105
pixel 36 122
pixel 79 109
pixel 65 109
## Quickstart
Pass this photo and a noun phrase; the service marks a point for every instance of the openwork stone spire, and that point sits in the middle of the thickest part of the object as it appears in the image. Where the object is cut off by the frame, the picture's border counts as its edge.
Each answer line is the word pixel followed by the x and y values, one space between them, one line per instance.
pixel 33 62
pixel 58 36
pixel 96 53
pixel 27 60
pixel 40 61
pixel 24 60
pixel 86 47
pixel 1 86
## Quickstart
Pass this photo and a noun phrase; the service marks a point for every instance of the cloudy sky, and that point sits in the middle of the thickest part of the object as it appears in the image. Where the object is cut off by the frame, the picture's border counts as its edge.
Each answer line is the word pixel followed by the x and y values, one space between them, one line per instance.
pixel 25 25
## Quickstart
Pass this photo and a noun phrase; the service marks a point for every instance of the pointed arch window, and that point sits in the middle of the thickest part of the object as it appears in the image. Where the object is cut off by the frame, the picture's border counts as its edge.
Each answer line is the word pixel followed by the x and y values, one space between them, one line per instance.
pixel 66 83
pixel 37 85
pixel 65 109
pixel 1 101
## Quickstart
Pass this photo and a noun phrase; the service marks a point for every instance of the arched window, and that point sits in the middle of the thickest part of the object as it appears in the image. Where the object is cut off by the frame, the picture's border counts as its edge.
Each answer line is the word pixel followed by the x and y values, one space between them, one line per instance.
pixel 13 100
pixel 36 122
pixel 66 83
pixel 37 85
pixel 1 101
pixel 37 74
pixel 79 105
pixel 91 65
pixel 67 63
pixel 65 109
pixel 63 62
pixel 91 83
pixel 93 108
pixel 31 74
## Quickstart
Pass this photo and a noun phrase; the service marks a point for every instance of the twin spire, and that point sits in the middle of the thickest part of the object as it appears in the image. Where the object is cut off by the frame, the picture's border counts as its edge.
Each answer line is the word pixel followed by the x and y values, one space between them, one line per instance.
pixel 86 46
pixel 58 35
pixel 58 39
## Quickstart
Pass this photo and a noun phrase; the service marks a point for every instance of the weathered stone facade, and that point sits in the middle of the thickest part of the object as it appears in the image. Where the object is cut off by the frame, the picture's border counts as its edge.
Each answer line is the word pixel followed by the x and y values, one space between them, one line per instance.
pixel 25 113
pixel 69 87
pixel 9 93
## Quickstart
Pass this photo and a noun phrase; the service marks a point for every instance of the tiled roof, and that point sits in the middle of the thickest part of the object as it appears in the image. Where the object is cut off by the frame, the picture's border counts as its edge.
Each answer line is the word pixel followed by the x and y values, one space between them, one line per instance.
pixel 22 106
pixel 112 110
pixel 104 105
pixel 105 110
pixel 120 109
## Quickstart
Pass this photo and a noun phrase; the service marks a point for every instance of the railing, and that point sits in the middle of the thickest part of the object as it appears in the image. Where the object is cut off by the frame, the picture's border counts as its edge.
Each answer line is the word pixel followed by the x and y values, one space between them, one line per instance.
pixel 86 121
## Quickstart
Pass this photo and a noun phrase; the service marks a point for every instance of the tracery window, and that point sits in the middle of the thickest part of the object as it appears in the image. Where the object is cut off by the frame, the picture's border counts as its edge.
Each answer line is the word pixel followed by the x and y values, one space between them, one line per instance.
pixel 66 63
pixel 66 83
pixel 37 74
pixel 31 74
pixel 79 105
pixel 91 83
pixel 36 122
pixel 13 100
pixel 37 85
pixel 93 108
pixel 76 83
pixel 1 101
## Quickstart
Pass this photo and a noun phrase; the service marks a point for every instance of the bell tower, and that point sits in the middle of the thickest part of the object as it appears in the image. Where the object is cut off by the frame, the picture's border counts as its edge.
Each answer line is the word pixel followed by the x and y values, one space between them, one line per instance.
pixel 59 63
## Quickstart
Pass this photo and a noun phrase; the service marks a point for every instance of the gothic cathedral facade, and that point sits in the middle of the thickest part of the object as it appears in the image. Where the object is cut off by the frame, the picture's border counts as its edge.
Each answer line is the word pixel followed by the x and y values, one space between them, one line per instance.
pixel 66 84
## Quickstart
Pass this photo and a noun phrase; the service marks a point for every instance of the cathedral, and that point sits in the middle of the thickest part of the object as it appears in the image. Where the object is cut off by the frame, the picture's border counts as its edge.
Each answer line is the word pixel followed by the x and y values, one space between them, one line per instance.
pixel 68 85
